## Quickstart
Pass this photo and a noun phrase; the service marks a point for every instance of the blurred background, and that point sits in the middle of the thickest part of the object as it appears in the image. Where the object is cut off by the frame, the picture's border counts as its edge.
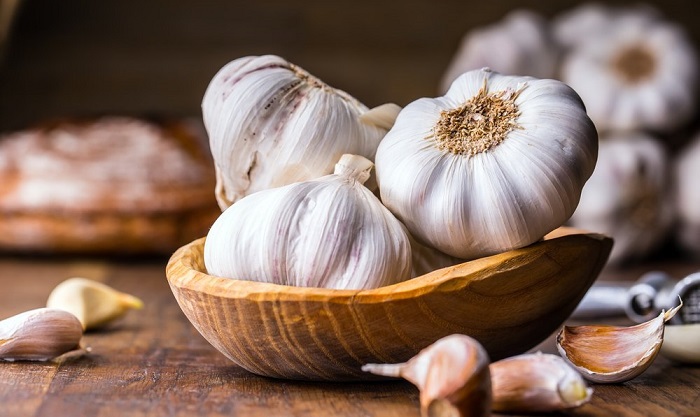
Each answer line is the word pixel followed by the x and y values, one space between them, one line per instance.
pixel 157 56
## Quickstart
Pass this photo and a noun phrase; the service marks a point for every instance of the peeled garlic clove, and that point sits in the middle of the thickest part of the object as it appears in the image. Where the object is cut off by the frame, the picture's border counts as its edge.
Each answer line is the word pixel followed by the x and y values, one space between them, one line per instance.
pixel 93 303
pixel 612 354
pixel 452 375
pixel 39 335
pixel 331 232
pixel 627 197
pixel 524 43
pixel 271 123
pixel 682 343
pixel 536 383
pixel 494 165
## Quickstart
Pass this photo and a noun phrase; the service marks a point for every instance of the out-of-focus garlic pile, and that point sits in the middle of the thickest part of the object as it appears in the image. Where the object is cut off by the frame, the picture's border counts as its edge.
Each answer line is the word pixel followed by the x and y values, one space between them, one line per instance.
pixel 637 73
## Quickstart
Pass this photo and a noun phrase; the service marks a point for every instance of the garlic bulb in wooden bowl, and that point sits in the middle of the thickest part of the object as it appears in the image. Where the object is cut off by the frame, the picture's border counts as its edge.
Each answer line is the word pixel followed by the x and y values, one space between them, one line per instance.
pixel 271 123
pixel 495 164
pixel 509 302
pixel 627 197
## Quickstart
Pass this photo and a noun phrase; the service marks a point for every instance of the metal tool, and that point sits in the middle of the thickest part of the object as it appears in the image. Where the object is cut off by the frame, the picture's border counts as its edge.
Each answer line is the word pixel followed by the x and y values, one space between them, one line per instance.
pixel 644 299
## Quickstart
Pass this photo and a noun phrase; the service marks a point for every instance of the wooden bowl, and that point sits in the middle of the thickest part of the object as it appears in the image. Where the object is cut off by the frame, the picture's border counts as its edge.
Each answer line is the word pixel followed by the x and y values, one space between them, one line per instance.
pixel 509 302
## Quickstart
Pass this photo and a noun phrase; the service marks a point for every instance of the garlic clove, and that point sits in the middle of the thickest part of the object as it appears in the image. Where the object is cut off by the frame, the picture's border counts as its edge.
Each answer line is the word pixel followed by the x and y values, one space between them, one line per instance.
pixel 612 354
pixel 452 375
pixel 682 343
pixel 39 335
pixel 93 303
pixel 382 116
pixel 536 383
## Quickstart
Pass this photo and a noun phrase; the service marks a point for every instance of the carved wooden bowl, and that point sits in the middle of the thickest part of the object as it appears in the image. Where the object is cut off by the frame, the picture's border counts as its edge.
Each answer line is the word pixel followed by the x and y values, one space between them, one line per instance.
pixel 509 302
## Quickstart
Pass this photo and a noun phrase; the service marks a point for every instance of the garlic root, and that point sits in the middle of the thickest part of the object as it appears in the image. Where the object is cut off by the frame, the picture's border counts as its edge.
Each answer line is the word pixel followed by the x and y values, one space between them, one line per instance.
pixel 39 335
pixel 93 303
pixel 612 354
pixel 452 375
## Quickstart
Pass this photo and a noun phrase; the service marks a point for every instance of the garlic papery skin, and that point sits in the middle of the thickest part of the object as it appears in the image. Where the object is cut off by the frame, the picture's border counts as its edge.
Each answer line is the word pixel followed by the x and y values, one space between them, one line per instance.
pixel 686 171
pixel 331 232
pixel 271 123
pixel 495 164
pixel 536 383
pixel 39 335
pixel 95 304
pixel 523 43
pixel 627 197
pixel 682 343
pixel 637 72
pixel 452 376
pixel 613 354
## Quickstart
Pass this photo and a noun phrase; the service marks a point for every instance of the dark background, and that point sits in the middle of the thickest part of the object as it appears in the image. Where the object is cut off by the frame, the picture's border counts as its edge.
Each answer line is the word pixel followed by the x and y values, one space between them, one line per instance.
pixel 156 57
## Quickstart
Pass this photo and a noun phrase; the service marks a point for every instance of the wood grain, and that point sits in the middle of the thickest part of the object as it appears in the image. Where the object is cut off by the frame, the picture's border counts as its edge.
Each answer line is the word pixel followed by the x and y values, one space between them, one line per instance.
pixel 153 362
pixel 509 302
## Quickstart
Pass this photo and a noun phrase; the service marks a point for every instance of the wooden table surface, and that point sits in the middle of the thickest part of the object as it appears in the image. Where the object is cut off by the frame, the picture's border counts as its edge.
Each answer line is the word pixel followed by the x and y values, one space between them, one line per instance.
pixel 154 363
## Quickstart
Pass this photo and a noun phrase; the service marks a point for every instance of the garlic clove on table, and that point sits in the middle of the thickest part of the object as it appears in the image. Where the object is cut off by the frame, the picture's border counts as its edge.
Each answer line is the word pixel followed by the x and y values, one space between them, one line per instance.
pixel 613 354
pixel 637 71
pixel 682 343
pixel 39 335
pixel 536 383
pixel 627 197
pixel 452 375
pixel 93 303
pixel 271 123
pixel 495 164
pixel 331 232
pixel 524 44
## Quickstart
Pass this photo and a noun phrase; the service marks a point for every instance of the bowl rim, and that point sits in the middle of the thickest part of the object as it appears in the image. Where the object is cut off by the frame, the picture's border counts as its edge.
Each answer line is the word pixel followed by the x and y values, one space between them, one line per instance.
pixel 183 271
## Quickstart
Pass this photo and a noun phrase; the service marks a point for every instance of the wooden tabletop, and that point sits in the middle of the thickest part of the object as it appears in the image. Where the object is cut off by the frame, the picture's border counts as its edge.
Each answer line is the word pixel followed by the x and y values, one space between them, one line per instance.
pixel 154 363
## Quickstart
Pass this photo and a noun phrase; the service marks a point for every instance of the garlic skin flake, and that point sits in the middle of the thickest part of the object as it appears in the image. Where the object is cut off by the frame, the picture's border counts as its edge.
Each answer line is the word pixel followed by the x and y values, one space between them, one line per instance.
pixel 39 335
pixel 524 44
pixel 536 383
pixel 636 71
pixel 271 123
pixel 495 164
pixel 331 232
pixel 452 375
pixel 627 197
pixel 613 354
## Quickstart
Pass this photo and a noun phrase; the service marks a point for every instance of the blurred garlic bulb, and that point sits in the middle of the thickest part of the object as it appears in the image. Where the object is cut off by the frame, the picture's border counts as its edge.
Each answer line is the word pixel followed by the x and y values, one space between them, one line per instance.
pixel 495 164
pixel 536 383
pixel 270 123
pixel 636 71
pixel 523 43
pixel 627 197
pixel 331 232
pixel 687 196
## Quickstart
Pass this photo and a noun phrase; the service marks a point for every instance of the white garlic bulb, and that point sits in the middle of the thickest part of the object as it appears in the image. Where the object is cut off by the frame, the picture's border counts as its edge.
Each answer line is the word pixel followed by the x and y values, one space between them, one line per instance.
pixel 270 123
pixel 523 43
pixel 636 71
pixel 495 164
pixel 686 171
pixel 331 232
pixel 627 195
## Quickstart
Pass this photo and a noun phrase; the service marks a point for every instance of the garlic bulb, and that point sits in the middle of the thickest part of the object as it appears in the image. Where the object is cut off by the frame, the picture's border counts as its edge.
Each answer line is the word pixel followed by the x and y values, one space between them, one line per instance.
pixel 452 375
pixel 536 383
pixel 613 354
pixel 523 42
pixel 686 171
pixel 627 196
pixel 495 164
pixel 270 123
pixel 636 71
pixel 331 232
